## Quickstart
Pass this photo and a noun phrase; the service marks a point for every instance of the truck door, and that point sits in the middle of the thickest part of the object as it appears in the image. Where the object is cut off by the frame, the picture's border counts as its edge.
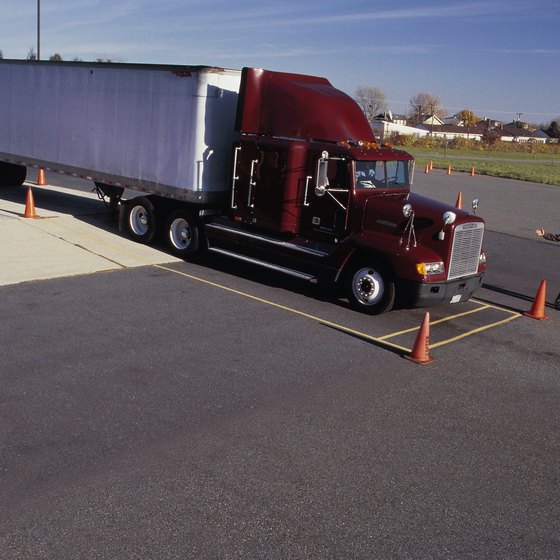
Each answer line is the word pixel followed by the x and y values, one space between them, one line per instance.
pixel 261 173
pixel 325 211
pixel 247 159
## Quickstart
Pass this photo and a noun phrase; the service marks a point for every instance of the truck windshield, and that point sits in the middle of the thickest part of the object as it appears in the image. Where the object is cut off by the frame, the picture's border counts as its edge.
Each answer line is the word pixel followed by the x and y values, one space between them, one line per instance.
pixel 381 174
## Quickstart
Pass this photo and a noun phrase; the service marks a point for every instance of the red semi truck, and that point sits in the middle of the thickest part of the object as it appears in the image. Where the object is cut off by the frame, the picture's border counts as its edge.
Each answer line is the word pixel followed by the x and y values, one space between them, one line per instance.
pixel 274 169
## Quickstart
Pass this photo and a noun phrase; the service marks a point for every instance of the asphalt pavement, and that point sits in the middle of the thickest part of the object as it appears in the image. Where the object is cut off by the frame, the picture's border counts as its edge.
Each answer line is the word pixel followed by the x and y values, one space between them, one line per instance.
pixel 153 408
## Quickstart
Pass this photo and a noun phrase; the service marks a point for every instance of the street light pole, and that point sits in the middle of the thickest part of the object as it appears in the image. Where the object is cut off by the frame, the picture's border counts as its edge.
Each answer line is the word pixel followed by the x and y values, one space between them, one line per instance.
pixel 38 29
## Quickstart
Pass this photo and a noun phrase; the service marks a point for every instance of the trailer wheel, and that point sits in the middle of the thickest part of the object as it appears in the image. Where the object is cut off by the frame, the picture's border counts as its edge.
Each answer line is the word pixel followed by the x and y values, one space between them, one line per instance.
pixel 370 288
pixel 140 219
pixel 182 234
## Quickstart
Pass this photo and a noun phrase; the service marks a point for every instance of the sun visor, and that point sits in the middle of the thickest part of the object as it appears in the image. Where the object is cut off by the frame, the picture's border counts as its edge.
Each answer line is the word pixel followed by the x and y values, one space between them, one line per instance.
pixel 297 106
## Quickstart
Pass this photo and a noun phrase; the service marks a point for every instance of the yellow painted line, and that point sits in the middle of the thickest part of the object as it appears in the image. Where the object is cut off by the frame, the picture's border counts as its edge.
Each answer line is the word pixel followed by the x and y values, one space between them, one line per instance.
pixel 475 331
pixel 380 340
pixel 448 318
pixel 496 307
pixel 284 308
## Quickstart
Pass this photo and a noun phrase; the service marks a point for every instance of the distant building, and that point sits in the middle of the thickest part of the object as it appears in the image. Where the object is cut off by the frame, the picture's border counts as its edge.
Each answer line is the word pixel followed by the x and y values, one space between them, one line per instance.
pixel 385 125
pixel 452 131
pixel 518 131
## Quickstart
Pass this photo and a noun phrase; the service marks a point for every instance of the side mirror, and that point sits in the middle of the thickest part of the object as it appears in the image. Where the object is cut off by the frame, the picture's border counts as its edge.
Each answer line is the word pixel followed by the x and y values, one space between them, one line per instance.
pixel 475 205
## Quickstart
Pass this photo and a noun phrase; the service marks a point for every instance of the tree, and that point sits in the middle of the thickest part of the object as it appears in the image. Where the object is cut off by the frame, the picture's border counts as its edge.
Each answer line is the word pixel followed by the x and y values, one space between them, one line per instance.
pixel 490 137
pixel 554 129
pixel 31 54
pixel 1 54
pixel 55 57
pixel 371 100
pixel 424 105
pixel 468 117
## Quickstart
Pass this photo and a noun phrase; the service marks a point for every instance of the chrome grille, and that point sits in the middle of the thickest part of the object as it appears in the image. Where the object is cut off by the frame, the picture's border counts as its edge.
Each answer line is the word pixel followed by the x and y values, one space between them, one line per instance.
pixel 465 251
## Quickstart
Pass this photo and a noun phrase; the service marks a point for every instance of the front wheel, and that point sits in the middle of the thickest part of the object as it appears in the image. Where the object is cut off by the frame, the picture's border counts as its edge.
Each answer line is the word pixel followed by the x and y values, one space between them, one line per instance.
pixel 370 288
pixel 140 219
pixel 182 234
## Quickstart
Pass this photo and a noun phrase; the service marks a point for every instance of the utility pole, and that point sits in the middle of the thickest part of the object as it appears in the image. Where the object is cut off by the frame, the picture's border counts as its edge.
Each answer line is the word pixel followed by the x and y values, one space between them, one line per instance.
pixel 38 29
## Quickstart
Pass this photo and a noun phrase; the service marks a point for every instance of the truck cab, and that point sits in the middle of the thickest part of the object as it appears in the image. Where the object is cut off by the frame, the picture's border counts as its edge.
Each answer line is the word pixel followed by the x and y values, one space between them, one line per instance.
pixel 310 202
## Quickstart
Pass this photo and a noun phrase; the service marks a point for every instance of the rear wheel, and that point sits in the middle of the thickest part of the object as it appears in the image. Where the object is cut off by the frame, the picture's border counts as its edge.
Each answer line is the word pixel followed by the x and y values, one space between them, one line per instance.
pixel 140 219
pixel 182 234
pixel 370 288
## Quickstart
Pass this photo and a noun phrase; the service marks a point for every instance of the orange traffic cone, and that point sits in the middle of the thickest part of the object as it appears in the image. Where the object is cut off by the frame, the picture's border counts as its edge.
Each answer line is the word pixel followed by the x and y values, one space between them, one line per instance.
pixel 472 171
pixel 420 353
pixel 431 165
pixel 459 203
pixel 537 309
pixel 449 170
pixel 29 205
pixel 427 170
pixel 41 180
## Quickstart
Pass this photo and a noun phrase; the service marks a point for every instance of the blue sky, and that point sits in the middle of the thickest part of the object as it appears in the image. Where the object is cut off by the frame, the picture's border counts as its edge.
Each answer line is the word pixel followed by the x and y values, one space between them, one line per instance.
pixel 495 57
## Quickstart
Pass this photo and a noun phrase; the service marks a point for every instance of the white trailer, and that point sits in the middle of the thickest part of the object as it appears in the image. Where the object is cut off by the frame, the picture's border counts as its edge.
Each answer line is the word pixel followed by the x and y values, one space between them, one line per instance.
pixel 164 130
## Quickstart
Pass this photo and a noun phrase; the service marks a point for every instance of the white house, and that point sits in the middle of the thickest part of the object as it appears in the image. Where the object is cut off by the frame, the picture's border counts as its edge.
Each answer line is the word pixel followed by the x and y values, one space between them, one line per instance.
pixel 387 124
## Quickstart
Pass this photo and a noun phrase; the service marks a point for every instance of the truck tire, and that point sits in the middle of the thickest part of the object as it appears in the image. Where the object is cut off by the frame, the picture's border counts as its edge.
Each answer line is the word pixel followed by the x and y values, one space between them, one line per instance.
pixel 140 219
pixel 370 288
pixel 182 234
pixel 12 175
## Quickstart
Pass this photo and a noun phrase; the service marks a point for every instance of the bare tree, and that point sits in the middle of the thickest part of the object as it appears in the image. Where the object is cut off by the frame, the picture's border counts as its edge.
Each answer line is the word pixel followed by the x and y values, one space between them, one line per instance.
pixel 31 54
pixel 425 105
pixel 1 54
pixel 371 100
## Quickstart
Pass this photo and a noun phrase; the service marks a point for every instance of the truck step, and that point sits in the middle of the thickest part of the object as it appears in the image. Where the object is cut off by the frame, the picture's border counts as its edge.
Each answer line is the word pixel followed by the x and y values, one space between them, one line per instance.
pixel 284 270
pixel 234 231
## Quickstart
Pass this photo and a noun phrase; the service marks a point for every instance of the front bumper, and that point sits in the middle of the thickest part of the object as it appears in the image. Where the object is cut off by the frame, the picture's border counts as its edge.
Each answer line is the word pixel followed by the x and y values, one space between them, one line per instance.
pixel 417 294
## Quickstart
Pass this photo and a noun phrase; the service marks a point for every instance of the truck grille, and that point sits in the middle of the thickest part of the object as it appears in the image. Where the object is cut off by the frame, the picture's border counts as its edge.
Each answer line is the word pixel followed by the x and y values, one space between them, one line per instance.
pixel 465 251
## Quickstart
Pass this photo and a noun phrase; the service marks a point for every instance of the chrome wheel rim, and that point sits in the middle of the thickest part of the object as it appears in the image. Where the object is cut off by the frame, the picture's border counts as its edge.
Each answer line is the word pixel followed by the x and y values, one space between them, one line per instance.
pixel 180 234
pixel 139 220
pixel 367 286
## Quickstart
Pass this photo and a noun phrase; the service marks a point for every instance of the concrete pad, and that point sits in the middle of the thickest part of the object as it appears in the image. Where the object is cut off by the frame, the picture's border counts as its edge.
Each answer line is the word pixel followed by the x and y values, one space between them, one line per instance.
pixel 56 245
pixel 27 253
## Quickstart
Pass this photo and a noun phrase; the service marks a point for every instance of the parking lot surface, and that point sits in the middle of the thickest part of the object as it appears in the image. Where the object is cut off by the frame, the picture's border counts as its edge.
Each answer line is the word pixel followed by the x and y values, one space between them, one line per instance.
pixel 154 408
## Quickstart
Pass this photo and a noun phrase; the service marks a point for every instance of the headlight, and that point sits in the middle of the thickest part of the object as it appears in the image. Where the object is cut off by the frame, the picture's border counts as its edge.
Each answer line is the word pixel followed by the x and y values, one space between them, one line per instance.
pixel 431 268
pixel 482 258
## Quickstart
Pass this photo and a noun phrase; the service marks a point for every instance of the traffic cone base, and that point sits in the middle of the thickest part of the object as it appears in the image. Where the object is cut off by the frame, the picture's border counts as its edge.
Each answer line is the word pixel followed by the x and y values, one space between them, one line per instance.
pixel 29 205
pixel 420 353
pixel 41 179
pixel 537 309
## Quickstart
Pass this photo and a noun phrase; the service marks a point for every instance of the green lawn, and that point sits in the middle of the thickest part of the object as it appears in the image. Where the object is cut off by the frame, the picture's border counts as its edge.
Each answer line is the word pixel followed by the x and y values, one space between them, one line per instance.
pixel 537 168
